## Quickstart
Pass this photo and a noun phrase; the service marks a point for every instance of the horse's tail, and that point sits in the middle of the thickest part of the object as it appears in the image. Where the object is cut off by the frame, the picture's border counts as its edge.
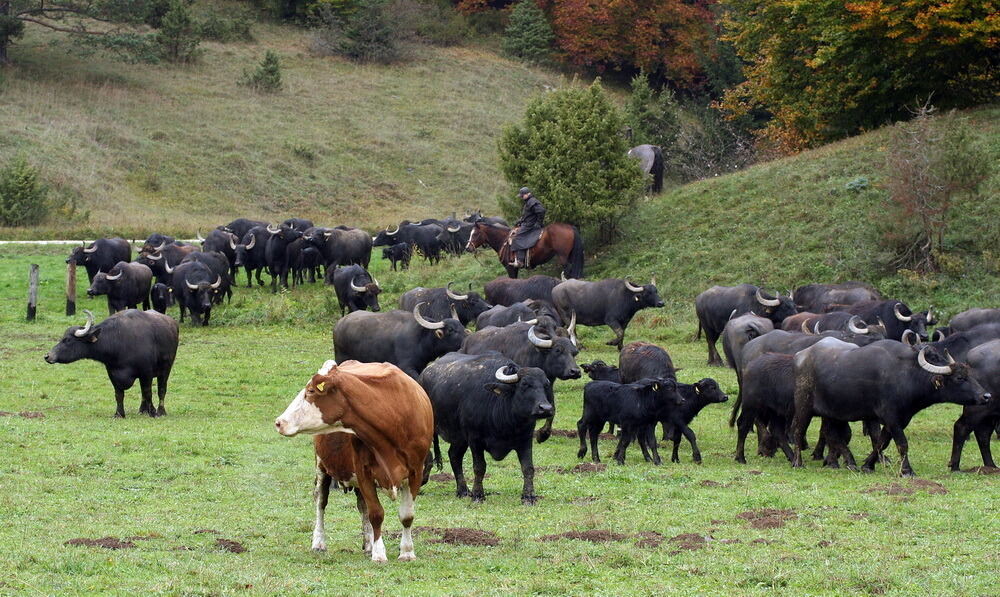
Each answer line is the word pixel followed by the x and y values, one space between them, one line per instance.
pixel 657 169
pixel 574 265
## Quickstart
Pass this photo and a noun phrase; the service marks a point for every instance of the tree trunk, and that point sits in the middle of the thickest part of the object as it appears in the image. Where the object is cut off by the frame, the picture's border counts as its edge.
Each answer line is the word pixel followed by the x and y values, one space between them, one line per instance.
pixel 4 40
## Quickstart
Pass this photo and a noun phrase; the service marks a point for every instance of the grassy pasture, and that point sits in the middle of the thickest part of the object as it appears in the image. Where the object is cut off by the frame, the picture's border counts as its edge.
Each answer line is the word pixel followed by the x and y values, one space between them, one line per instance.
pixel 216 464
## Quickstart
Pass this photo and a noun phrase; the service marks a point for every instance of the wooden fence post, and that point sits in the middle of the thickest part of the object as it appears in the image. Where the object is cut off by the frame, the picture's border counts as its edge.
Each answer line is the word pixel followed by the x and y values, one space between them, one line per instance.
pixel 71 287
pixel 32 291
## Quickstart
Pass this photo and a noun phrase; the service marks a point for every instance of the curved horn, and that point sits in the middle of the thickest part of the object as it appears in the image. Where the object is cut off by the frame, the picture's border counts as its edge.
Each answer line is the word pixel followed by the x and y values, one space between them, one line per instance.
pixel 909 338
pixel 805 327
pixel 540 343
pixel 571 328
pixel 217 283
pixel 113 278
pixel 767 302
pixel 356 288
pixel 454 313
pixel 90 249
pixel 375 282
pixel 732 315
pixel 532 321
pixel 930 315
pixel 454 230
pixel 632 287
pixel 452 295
pixel 900 316
pixel 273 230
pixel 201 238
pixel 816 328
pixel 253 241
pixel 938 336
pixel 393 233
pixel 562 276
pixel 190 285
pixel 86 328
pixel 503 377
pixel 232 241
pixel 423 322
pixel 947 355
pixel 167 268
pixel 653 280
pixel 852 324
pixel 152 257
pixel 935 369
pixel 160 248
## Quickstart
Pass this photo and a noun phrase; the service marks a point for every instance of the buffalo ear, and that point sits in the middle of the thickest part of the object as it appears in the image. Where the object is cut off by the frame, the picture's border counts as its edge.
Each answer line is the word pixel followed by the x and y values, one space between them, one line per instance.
pixel 92 336
pixel 938 382
pixel 497 388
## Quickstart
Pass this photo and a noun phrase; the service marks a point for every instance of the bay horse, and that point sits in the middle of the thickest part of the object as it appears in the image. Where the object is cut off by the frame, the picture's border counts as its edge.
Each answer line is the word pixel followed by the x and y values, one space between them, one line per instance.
pixel 557 238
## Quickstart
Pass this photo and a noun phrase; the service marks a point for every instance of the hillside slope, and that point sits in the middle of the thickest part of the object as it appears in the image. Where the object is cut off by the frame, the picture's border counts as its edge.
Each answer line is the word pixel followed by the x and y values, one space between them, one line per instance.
pixel 169 148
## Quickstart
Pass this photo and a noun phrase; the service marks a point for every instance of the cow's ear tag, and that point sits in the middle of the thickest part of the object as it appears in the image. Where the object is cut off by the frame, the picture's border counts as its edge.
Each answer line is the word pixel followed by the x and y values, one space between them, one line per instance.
pixel 497 391
pixel 320 386
pixel 439 333
pixel 938 382
pixel 636 299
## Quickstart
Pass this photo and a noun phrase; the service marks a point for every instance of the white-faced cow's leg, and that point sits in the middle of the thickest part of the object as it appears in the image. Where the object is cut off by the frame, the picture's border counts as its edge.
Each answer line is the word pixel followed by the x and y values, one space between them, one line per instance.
pixel 406 517
pixel 321 494
pixel 367 532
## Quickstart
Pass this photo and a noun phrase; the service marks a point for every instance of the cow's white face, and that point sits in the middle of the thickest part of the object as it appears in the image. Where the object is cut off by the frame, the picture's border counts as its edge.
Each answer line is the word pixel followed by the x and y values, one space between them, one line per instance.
pixel 304 416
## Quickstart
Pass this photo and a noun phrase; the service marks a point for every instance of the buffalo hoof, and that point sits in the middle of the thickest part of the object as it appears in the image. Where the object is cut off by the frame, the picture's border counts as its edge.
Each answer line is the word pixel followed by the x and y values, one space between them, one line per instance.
pixel 478 498
pixel 581 453
pixel 529 500
pixel 852 467
pixel 657 461
pixel 867 468
pixel 831 465
pixel 462 493
pixel 119 415
pixel 161 412
pixel 675 459
pixel 908 474
pixel 697 459
pixel 817 456
pixel 741 459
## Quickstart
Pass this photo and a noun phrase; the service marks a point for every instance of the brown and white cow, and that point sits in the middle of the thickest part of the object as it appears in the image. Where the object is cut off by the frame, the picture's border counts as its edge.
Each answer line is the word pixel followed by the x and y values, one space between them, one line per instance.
pixel 387 424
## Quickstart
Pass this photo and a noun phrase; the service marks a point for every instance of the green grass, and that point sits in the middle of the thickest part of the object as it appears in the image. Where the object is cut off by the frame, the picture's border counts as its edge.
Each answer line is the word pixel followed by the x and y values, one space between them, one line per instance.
pixel 216 463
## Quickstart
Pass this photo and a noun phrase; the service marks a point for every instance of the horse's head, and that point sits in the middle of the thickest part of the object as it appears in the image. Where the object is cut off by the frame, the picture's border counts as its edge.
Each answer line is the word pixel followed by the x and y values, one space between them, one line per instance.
pixel 478 236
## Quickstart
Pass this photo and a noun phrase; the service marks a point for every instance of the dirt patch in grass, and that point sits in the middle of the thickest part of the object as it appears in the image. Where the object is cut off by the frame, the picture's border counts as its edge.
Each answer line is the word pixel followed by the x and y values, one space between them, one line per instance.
pixel 984 470
pixel 710 483
pixel 762 541
pixel 824 543
pixel 230 545
pixel 105 542
pixel 930 487
pixel 583 501
pixel 584 467
pixel 466 536
pixel 572 434
pixel 213 531
pixel 859 515
pixel 767 518
pixel 24 414
pixel 688 541
pixel 593 535
pixel 648 539
pixel 442 477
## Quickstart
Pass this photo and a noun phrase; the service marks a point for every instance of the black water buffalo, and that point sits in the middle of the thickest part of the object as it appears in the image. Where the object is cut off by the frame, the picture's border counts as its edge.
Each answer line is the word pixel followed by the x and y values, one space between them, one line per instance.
pixel 542 313
pixel 641 360
pixel 421 237
pixel 441 301
pixel 611 302
pixel 885 381
pixel 601 371
pixel 555 355
pixel 276 254
pixel 241 226
pixel 102 255
pixel 971 318
pixel 507 291
pixel 847 322
pixel 767 396
pixel 398 253
pixel 220 241
pixel 157 242
pixel 738 331
pixel 250 254
pixel 487 404
pixel 196 289
pixel 219 265
pixel 163 262
pixel 895 316
pixel 161 296
pixel 300 224
pixel 984 362
pixel 821 298
pixel 356 289
pixel 294 259
pixel 478 215
pixel 719 304
pixel 959 344
pixel 635 407
pixel 405 339
pixel 455 235
pixel 126 286
pixel 308 259
pixel 677 422
pixel 132 345
pixel 341 246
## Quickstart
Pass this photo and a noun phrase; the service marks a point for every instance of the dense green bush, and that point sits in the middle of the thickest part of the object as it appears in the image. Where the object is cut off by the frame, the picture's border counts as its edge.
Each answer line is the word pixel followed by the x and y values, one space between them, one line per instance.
pixel 178 38
pixel 653 116
pixel 266 78
pixel 23 199
pixel 369 34
pixel 569 149
pixel 528 35
pixel 433 21
pixel 222 29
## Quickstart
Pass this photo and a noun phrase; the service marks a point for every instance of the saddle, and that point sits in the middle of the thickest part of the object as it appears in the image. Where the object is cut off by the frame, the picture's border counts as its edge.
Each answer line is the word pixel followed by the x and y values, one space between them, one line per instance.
pixel 526 242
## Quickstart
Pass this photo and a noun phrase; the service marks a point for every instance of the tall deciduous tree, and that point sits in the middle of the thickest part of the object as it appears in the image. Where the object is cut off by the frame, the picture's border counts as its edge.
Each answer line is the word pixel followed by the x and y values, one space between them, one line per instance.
pixel 569 149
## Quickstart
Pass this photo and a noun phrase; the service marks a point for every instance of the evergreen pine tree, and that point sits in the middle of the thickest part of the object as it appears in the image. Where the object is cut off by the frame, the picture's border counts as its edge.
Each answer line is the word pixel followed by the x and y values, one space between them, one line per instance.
pixel 528 35
pixel 267 76
pixel 652 115
pixel 22 197
pixel 177 37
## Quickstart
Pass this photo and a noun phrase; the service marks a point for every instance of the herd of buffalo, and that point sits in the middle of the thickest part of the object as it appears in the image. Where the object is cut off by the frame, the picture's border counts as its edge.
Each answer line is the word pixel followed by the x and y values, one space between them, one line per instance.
pixel 840 352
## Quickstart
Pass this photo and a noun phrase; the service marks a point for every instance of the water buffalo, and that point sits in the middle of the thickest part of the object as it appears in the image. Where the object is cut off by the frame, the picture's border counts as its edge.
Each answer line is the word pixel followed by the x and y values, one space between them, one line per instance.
pixel 219 266
pixel 163 261
pixel 132 345
pixel 441 301
pixel 240 226
pixel 895 316
pixel 398 253
pixel 969 319
pixel 767 396
pixel 161 296
pixel 250 254
pixel 984 363
pixel 126 286
pixel 102 255
pixel 635 407
pixel 276 254
pixel 220 241
pixel 356 289
pixel 640 360
pixel 507 291
pixel 821 298
pixel 740 330
pixel 719 304
pixel 421 237
pixel 196 289
pixel 341 246
pixel 300 224
pixel 542 313
pixel 611 302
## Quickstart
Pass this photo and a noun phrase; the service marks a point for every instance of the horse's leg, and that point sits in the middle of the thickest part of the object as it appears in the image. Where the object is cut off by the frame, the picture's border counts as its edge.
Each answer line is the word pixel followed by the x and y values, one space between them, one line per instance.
pixel 511 271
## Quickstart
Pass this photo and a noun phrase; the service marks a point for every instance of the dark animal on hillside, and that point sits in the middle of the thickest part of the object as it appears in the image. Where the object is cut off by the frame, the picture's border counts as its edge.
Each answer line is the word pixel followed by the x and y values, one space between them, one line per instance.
pixel 477 215
pixel 677 422
pixel 373 428
pixel 161 296
pixel 132 345
pixel 884 381
pixel 557 240
pixel 250 254
pixel 296 260
pixel 196 289
pixel 240 226
pixel 634 407
pixel 310 260
pixel 601 371
pixel 440 303
pixel 541 313
pixel 984 363
pixel 403 338
pixel 611 302
pixel 219 241
pixel 487 404
pixel 341 246
pixel 651 163
pixel 895 316
pixel 219 266
pixel 738 331
pixel 299 224
pixel 767 395
pixel 966 320
pixel 102 255
pixel 423 238
pixel 157 242
pixel 398 253
pixel 959 344
pixel 276 254
pixel 507 291
pixel 356 289
pixel 846 322
pixel 821 298
pixel 803 321
pixel 455 236
pixel 719 304
pixel 642 360
pixel 163 262
pixel 521 342
pixel 126 286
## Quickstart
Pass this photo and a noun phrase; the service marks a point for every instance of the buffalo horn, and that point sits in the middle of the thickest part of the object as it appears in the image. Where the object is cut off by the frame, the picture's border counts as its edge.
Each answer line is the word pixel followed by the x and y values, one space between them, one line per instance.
pixel 816 328
pixel 356 288
pixel 852 324
pixel 273 230
pixel 452 295
pixel 160 247
pixel 938 335
pixel 503 377
pixel 90 249
pixel 571 328
pixel 767 302
pixel 152 257
pixel 455 229
pixel 909 338
pixel 375 282
pixel 539 342
pixel 167 268
pixel 732 315
pixel 86 328
pixel 393 233
pixel 930 316
pixel 113 278
pixel 454 313
pixel 653 280
pixel 630 286
pixel 253 241
pixel 805 327
pixel 232 241
pixel 948 356
pixel 201 238
pixel 423 322
pixel 191 286
pixel 900 316
pixel 532 321
pixel 562 275
pixel 217 283
pixel 935 369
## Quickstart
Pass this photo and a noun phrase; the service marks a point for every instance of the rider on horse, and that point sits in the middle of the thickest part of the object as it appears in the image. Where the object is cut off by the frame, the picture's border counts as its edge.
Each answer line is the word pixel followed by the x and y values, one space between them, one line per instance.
pixel 527 229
